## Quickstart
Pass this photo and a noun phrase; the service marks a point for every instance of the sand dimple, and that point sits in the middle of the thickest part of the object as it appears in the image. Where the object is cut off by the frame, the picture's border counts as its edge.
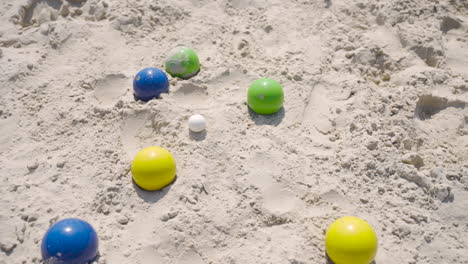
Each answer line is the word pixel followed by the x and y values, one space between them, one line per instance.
pixel 449 23
pixel 241 4
pixel 190 94
pixel 149 255
pixel 274 196
pixel 457 51
pixel 261 170
pixel 333 197
pixel 10 124
pixel 429 105
pixel 278 200
pixel 228 84
pixel 132 125
pixel 191 258
pixel 110 88
pixel 316 111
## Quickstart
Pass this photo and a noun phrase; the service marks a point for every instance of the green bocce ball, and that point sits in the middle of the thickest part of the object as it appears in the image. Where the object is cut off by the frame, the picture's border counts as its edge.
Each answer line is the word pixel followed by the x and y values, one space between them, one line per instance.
pixel 265 96
pixel 182 62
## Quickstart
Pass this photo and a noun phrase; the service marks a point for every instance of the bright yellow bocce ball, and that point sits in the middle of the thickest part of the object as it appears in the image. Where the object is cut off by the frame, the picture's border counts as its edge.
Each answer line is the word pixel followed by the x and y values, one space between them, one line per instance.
pixel 351 240
pixel 153 168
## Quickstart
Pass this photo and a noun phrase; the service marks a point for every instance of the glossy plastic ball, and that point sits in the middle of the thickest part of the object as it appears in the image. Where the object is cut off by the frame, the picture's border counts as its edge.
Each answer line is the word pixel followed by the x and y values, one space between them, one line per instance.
pixel 182 62
pixel 197 123
pixel 149 83
pixel 351 240
pixel 70 241
pixel 153 168
pixel 265 96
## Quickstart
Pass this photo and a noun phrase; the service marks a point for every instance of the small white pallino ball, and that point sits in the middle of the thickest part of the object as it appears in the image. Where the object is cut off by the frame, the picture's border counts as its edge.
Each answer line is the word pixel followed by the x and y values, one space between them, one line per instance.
pixel 197 123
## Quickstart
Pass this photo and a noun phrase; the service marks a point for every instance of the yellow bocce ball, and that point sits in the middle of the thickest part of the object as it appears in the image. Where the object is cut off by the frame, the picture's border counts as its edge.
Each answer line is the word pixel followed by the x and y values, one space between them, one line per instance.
pixel 153 168
pixel 351 240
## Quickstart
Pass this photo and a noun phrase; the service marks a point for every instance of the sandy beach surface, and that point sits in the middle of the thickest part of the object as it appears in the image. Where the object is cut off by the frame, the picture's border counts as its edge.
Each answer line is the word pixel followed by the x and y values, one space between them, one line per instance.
pixel 374 125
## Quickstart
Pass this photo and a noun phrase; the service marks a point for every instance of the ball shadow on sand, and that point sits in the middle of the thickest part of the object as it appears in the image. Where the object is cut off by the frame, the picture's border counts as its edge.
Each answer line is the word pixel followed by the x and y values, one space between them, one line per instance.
pixel 144 101
pixel 197 136
pixel 270 120
pixel 96 259
pixel 152 196
pixel 329 261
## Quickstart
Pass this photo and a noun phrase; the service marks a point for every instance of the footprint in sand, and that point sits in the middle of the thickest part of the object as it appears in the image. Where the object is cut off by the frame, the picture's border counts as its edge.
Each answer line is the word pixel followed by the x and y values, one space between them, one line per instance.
pixel 440 115
pixel 456 49
pixel 9 125
pixel 133 129
pixel 429 105
pixel 286 45
pixel 240 4
pixel 332 196
pixel 149 255
pixel 316 111
pixel 147 127
pixel 190 257
pixel 279 200
pixel 319 112
pixel 275 197
pixel 110 88
pixel 191 94
pixel 231 84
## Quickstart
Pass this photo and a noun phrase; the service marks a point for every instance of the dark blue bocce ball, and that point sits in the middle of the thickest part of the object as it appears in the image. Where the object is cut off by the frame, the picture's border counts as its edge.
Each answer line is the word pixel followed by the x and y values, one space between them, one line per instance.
pixel 70 241
pixel 149 83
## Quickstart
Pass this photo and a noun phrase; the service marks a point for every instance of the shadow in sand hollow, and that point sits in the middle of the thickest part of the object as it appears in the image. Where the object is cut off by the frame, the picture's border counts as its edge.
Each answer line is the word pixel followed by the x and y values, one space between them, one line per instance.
pixel 197 136
pixel 329 261
pixel 152 196
pixel 271 120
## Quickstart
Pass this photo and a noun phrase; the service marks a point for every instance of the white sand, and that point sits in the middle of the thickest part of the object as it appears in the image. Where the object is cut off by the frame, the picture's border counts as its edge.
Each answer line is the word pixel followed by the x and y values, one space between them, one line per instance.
pixel 375 124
